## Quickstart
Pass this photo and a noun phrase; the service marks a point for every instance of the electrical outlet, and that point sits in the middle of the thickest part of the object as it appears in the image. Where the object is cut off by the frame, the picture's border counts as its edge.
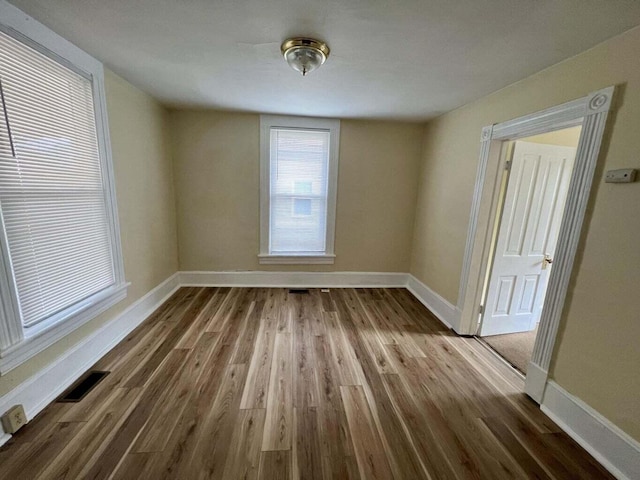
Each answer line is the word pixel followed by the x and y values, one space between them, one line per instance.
pixel 14 419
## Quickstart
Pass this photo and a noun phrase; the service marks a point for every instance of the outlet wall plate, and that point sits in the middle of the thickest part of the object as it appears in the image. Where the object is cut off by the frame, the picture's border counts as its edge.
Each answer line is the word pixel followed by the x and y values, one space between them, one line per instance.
pixel 623 175
pixel 14 419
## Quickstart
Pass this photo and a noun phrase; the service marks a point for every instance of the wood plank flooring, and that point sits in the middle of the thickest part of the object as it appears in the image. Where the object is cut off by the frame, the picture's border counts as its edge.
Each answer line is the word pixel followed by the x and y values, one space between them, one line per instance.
pixel 247 383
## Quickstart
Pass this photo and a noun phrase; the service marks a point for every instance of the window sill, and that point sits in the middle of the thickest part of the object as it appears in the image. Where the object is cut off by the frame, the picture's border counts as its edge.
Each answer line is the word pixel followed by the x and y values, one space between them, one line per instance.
pixel 323 259
pixel 40 337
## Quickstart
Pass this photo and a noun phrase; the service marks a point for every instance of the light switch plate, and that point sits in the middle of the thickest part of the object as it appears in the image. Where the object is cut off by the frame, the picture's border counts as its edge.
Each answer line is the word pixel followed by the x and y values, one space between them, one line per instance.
pixel 624 175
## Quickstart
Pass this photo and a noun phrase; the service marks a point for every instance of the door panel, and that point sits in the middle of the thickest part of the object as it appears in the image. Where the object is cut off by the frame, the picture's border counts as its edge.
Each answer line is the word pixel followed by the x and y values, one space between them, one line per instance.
pixel 526 171
pixel 531 218
pixel 527 299
pixel 504 295
pixel 544 226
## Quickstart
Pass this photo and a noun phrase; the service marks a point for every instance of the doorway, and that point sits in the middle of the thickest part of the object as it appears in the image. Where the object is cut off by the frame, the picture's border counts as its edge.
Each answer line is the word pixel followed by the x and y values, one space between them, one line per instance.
pixel 534 186
pixel 592 113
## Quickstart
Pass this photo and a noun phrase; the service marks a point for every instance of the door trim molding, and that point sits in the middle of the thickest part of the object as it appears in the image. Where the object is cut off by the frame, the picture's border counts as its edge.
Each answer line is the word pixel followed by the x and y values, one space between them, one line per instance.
pixel 591 112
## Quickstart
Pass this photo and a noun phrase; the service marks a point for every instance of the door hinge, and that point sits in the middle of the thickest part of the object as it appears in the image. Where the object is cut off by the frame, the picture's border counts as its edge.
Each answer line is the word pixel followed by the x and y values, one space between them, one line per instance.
pixel 481 309
pixel 507 165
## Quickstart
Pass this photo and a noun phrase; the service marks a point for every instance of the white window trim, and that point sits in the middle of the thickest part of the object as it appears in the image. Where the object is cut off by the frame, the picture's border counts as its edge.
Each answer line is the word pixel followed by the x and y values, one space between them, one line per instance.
pixel 18 344
pixel 267 122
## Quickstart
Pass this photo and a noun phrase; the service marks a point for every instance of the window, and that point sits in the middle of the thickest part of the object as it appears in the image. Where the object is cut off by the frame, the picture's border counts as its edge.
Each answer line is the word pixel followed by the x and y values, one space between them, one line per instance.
pixel 302 206
pixel 299 166
pixel 61 260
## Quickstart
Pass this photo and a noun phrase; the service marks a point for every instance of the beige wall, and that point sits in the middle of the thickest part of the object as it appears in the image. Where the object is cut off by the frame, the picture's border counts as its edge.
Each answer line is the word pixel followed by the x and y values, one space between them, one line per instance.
pixel 146 207
pixel 217 184
pixel 597 353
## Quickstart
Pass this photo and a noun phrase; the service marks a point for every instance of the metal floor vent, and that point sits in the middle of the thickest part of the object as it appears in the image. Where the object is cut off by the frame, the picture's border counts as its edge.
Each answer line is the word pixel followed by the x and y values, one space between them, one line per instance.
pixel 83 386
pixel 299 290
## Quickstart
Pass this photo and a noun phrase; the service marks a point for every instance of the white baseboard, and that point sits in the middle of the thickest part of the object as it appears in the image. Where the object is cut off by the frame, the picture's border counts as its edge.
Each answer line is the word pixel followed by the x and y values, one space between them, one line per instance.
pixel 294 279
pixel 47 384
pixel 609 445
pixel 536 382
pixel 441 308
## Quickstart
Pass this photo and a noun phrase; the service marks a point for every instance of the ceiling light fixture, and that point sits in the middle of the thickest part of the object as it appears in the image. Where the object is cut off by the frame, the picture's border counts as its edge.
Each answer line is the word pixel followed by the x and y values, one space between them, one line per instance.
pixel 304 54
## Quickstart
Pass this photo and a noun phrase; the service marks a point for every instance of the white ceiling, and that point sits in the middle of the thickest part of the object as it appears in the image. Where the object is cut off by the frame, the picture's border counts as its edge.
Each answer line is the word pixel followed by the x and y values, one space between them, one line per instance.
pixel 402 59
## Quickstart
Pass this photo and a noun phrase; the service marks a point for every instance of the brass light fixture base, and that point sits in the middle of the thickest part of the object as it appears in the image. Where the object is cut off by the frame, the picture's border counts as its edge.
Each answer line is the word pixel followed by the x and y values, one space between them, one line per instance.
pixel 304 54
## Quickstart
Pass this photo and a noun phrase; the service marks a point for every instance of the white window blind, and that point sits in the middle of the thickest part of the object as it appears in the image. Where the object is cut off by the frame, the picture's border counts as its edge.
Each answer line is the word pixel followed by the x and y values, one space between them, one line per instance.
pixel 299 167
pixel 52 193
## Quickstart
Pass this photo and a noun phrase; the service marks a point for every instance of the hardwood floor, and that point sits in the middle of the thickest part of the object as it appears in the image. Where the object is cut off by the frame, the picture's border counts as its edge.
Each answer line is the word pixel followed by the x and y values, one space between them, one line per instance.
pixel 242 383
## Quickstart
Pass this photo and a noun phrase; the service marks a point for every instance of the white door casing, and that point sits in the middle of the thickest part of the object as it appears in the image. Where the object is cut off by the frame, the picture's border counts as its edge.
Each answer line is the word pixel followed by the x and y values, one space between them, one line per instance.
pixel 531 218
pixel 590 111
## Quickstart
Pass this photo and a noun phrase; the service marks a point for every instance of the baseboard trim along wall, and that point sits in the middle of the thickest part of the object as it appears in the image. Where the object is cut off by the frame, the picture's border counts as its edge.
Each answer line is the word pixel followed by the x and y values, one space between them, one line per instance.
pixel 441 308
pixel 47 384
pixel 613 448
pixel 294 279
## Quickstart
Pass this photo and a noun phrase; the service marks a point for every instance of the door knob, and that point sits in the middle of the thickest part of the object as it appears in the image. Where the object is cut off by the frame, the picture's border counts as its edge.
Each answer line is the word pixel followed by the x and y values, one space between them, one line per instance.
pixel 546 261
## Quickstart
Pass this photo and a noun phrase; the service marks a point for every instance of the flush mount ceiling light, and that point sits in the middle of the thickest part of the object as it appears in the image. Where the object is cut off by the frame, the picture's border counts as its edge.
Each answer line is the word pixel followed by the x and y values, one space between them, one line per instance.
pixel 304 54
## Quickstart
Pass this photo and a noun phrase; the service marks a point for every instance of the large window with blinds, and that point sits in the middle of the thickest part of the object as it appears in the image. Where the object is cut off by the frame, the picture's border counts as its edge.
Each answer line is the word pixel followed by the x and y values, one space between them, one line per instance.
pixel 299 162
pixel 60 245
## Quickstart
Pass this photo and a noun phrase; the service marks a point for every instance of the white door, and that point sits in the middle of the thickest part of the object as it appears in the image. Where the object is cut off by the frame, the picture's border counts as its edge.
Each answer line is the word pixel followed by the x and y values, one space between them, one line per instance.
pixel 531 217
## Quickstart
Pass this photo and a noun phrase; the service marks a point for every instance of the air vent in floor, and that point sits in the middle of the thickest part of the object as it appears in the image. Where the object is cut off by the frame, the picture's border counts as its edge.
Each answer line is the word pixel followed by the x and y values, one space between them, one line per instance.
pixel 299 290
pixel 83 386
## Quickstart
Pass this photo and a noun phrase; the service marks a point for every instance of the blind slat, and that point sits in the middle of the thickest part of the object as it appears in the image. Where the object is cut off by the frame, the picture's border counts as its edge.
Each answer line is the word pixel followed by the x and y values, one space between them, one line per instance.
pixel 299 166
pixel 51 192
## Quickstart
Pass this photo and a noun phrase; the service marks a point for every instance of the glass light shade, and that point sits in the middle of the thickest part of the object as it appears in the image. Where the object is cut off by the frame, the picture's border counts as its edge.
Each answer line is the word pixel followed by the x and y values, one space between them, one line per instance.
pixel 304 55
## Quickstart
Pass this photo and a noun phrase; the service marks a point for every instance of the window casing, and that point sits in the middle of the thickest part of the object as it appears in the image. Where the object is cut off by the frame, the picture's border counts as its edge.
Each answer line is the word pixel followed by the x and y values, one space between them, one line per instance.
pixel 60 254
pixel 299 167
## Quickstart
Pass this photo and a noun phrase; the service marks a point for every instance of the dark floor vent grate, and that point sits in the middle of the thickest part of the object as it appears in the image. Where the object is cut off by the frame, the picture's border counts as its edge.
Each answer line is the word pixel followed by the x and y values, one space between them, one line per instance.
pixel 83 386
pixel 299 290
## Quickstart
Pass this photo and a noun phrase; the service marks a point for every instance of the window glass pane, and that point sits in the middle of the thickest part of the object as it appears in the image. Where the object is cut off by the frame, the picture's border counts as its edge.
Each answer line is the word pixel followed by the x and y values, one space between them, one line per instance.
pixel 302 206
pixel 292 233
pixel 302 188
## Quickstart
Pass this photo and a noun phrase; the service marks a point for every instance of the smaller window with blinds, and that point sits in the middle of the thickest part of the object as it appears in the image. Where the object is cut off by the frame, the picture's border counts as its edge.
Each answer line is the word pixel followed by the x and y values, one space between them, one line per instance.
pixel 299 166
pixel 61 259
